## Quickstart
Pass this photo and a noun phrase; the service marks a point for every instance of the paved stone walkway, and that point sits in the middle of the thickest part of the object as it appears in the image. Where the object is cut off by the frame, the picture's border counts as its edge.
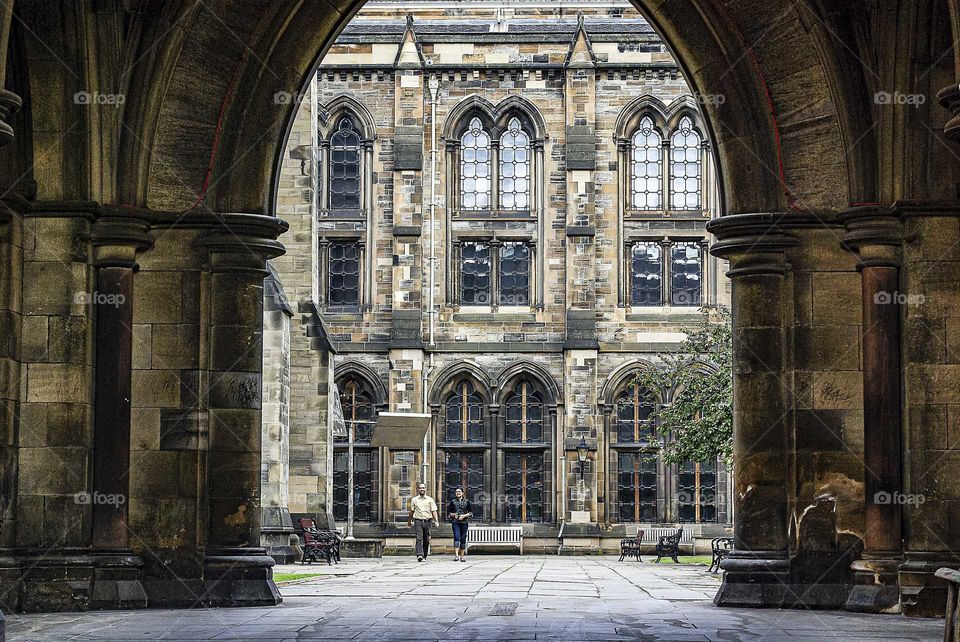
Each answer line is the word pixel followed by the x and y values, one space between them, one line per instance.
pixel 486 598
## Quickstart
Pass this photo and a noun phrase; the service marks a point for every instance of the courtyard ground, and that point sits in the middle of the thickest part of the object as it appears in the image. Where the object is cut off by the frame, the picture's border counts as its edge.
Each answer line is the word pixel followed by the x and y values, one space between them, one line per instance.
pixel 486 598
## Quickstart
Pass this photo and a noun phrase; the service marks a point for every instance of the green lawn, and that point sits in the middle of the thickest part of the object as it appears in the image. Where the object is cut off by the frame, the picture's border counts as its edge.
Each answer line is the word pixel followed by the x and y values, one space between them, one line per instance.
pixel 286 577
pixel 702 560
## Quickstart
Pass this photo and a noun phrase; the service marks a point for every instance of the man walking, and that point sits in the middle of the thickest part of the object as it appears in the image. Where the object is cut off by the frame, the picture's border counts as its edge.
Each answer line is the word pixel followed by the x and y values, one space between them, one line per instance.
pixel 423 512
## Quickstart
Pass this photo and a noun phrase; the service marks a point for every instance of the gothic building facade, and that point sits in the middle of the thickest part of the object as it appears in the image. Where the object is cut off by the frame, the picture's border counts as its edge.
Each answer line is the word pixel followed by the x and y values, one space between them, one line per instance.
pixel 499 215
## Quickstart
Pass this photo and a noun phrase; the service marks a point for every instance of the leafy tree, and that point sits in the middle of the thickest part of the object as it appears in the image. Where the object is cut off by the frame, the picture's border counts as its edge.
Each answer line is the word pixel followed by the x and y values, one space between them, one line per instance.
pixel 700 417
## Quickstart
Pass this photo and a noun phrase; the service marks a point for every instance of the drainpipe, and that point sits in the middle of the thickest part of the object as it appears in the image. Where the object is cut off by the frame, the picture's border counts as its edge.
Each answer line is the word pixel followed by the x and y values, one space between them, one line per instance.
pixel 434 85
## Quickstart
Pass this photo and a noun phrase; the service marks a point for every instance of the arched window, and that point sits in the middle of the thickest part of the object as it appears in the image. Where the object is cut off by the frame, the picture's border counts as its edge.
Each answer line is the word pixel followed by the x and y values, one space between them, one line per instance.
pixel 345 167
pixel 685 167
pixel 697 492
pixel 359 414
pixel 524 415
pixel 464 415
pixel 514 167
pixel 634 416
pixel 646 175
pixel 475 167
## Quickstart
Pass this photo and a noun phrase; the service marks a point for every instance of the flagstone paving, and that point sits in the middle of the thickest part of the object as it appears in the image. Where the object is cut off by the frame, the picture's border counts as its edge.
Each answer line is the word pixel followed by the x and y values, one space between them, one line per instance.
pixel 486 598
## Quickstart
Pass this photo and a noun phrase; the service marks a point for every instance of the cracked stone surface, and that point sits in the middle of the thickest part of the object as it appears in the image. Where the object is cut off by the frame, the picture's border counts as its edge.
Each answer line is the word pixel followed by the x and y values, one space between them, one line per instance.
pixel 486 598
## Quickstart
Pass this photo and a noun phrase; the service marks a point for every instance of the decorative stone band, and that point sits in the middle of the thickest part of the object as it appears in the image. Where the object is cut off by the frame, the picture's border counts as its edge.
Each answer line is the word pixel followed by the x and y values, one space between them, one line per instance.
pixel 9 104
pixel 117 239
pixel 243 242
pixel 949 97
pixel 753 243
pixel 875 233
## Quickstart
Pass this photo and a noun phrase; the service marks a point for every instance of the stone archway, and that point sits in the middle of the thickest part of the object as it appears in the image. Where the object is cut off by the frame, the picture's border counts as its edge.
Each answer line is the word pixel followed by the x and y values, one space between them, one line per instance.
pixel 187 162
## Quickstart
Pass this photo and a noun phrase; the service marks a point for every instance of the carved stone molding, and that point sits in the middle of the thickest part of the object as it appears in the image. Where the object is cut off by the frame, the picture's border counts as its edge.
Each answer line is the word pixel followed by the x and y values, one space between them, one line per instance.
pixel 754 243
pixel 243 242
pixel 10 103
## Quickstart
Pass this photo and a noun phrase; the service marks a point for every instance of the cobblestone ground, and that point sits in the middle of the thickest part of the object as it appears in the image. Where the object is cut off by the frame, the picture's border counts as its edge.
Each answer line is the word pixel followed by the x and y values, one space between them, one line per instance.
pixel 486 598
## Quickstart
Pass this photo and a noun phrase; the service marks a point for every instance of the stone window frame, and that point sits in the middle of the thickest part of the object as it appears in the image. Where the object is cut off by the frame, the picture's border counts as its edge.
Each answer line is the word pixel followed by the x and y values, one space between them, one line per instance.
pixel 495 241
pixel 370 385
pixel 666 279
pixel 496 119
pixel 346 224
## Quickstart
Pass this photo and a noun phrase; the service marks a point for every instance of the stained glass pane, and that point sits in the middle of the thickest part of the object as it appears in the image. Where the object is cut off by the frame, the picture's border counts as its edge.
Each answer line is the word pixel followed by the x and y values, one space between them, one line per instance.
pixel 345 167
pixel 685 170
pixel 634 416
pixel 475 273
pixel 475 185
pixel 514 274
pixel 344 274
pixel 514 167
pixel 646 175
pixel 466 470
pixel 464 415
pixel 637 487
pixel 646 282
pixel 685 274
pixel 524 418
pixel 523 486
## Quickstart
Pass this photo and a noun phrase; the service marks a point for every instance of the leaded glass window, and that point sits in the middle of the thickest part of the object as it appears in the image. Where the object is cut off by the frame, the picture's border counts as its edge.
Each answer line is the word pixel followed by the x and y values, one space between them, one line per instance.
pixel 344 274
pixel 514 274
pixel 358 412
pixel 475 167
pixel 637 487
pixel 465 469
pixel 345 167
pixel 646 176
pixel 697 492
pixel 685 167
pixel 475 273
pixel 646 272
pixel 364 471
pixel 464 415
pixel 514 167
pixel 523 486
pixel 634 416
pixel 524 415
pixel 685 273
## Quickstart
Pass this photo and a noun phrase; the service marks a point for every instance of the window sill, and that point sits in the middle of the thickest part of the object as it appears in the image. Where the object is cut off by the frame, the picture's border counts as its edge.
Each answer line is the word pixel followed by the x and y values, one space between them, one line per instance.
pixel 503 315
pixel 664 313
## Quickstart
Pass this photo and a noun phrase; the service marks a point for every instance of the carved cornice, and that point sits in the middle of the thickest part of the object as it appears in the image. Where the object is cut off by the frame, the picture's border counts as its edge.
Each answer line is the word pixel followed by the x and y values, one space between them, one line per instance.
pixel 243 242
pixel 754 243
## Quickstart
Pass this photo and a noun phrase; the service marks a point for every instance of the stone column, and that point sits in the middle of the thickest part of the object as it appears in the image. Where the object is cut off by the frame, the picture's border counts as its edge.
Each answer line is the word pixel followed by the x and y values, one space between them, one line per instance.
pixel 116 241
pixel 758 571
pixel 237 571
pixel 877 237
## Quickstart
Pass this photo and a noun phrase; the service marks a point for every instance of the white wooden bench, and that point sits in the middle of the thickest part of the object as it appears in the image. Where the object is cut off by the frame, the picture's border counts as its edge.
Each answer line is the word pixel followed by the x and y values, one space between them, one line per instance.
pixel 495 536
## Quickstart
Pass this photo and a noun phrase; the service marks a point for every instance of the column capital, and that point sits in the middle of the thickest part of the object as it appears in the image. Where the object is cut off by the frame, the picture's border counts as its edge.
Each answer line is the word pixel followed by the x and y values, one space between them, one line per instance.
pixel 949 97
pixel 753 243
pixel 243 242
pixel 117 237
pixel 9 104
pixel 875 233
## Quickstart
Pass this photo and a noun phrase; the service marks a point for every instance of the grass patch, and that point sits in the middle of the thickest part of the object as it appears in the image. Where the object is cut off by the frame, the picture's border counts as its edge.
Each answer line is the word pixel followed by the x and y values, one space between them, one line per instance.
pixel 286 577
pixel 700 560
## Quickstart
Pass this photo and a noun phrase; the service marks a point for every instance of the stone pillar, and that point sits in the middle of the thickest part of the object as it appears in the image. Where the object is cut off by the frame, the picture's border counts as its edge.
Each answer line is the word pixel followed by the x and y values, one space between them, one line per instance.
pixel 116 241
pixel 877 237
pixel 758 571
pixel 237 571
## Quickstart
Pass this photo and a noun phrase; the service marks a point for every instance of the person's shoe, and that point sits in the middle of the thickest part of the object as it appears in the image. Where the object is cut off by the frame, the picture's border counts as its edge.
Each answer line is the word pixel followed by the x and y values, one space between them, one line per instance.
pixel 419 559
pixel 463 559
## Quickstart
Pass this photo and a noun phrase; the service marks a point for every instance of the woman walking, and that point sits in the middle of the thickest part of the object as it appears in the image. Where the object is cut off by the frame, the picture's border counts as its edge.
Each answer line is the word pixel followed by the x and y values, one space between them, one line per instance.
pixel 458 510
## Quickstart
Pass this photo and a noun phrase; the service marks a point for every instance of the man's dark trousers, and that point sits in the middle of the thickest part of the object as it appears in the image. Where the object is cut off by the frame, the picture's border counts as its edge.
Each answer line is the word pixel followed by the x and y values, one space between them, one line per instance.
pixel 422 529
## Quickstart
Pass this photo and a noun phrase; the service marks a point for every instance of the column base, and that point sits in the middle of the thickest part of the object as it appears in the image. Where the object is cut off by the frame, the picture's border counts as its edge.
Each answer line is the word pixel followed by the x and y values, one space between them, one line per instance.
pixel 116 582
pixel 276 532
pixel 239 577
pixel 922 594
pixel 762 579
pixel 875 585
pixel 9 585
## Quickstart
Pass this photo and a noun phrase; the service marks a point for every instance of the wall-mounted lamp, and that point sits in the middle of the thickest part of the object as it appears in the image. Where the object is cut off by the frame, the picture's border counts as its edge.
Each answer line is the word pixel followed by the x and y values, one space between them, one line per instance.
pixel 582 451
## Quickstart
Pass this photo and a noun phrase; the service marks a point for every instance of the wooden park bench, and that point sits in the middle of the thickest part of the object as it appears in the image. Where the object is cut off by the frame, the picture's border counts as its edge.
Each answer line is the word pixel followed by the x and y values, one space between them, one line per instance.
pixel 951 627
pixel 721 547
pixel 630 547
pixel 495 536
pixel 319 545
pixel 669 546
